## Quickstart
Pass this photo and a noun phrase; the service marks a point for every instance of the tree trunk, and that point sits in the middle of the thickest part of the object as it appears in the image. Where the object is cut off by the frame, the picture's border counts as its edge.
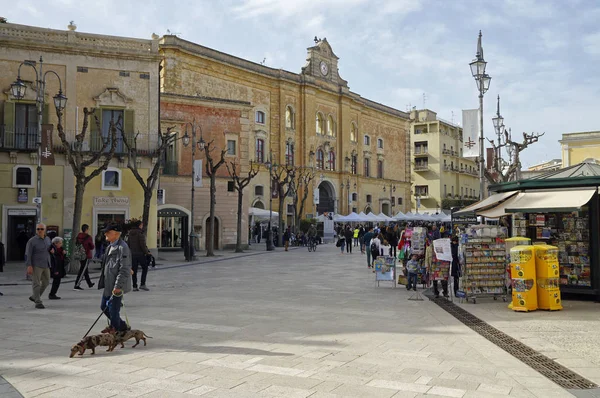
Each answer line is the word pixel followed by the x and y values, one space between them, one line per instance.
pixel 210 245
pixel 146 213
pixel 77 210
pixel 280 225
pixel 238 243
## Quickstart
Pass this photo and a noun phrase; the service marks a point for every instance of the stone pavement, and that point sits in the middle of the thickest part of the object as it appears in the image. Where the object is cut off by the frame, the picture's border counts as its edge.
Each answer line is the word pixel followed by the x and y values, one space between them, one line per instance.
pixel 277 324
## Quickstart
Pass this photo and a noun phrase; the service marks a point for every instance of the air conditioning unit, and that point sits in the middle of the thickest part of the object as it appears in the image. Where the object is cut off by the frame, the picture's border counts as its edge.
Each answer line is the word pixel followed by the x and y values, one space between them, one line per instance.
pixel 80 146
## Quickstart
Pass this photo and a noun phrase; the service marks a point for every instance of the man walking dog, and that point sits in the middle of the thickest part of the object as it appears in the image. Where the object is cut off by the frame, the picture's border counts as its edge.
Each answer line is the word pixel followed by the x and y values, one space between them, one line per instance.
pixel 115 278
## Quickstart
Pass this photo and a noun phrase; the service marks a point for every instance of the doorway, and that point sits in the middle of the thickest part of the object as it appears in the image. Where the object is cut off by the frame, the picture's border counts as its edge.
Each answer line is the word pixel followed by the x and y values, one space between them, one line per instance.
pixel 20 229
pixel 215 233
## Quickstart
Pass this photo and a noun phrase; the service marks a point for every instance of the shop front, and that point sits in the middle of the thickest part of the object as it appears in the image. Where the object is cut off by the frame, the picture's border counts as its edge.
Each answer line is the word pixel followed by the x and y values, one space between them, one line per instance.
pixel 560 208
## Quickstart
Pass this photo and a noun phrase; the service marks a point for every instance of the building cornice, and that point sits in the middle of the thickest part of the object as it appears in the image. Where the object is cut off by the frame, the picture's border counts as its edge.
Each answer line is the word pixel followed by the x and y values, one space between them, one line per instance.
pixel 202 99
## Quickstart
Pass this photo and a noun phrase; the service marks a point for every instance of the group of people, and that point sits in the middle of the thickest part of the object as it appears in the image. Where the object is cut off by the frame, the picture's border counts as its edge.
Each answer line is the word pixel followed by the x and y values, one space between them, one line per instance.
pixel 46 258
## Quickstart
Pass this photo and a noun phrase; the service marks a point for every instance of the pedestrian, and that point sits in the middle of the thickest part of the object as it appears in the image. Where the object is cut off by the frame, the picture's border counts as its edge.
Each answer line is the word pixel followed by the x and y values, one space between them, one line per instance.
pixel 412 268
pixel 286 238
pixel 368 236
pixel 115 278
pixel 394 239
pixel 341 243
pixel 375 247
pixel 139 254
pixel 349 235
pixel 435 233
pixel 455 270
pixel 99 245
pixel 361 242
pixel 85 241
pixel 356 233
pixel 37 260
pixel 57 266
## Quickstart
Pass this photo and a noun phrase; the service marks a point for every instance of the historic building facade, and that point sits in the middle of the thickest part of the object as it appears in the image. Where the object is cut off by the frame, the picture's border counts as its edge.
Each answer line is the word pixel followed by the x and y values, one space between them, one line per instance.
pixel 579 147
pixel 116 76
pixel 357 148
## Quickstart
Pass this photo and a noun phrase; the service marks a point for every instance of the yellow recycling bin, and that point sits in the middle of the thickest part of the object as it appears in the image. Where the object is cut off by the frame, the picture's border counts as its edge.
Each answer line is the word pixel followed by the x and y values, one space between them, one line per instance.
pixel 548 274
pixel 524 291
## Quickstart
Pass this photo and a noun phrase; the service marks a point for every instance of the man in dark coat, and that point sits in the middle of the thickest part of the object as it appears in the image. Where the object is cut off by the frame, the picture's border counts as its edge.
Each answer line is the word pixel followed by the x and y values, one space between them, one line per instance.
pixel 455 270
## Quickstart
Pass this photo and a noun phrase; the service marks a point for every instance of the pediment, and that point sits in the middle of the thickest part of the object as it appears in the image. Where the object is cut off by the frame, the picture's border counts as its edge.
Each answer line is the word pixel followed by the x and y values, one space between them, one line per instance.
pixel 112 96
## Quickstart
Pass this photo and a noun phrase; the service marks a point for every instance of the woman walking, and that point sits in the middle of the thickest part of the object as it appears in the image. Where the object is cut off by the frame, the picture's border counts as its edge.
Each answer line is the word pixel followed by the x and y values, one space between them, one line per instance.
pixel 57 266
pixel 341 243
pixel 349 234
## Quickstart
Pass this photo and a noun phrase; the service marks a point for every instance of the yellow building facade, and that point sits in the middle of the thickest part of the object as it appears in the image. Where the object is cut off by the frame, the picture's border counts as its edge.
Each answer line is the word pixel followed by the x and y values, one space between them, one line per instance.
pixel 440 174
pixel 578 147
pixel 356 147
pixel 116 76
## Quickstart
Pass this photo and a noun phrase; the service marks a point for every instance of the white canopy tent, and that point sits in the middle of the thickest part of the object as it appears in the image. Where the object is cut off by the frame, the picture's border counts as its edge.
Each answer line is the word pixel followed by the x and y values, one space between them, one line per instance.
pixel 385 217
pixel 257 214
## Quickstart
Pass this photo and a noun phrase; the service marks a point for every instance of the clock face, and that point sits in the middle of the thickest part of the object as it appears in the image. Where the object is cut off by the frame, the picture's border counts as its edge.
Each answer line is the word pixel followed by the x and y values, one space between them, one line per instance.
pixel 324 68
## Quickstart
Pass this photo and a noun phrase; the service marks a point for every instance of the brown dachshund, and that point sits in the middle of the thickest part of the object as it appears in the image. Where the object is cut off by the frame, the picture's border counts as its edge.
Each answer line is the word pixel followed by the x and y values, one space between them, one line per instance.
pixel 122 337
pixel 91 342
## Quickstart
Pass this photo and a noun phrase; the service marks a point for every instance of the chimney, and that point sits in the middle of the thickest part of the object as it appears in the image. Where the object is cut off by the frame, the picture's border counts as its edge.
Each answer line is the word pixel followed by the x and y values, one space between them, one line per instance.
pixel 490 158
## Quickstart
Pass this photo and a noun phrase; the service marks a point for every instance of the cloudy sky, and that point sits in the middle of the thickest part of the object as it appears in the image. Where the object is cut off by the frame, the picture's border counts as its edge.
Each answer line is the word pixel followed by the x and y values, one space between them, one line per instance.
pixel 540 53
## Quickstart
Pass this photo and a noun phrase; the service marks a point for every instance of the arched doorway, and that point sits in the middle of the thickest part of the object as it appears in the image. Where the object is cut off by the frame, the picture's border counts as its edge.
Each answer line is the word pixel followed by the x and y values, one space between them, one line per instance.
pixel 173 227
pixel 215 233
pixel 326 198
pixel 368 209
pixel 259 204
pixel 385 209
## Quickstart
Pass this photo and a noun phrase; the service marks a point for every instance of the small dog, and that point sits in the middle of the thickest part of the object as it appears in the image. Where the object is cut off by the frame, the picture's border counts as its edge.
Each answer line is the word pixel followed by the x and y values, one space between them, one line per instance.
pixel 122 337
pixel 91 342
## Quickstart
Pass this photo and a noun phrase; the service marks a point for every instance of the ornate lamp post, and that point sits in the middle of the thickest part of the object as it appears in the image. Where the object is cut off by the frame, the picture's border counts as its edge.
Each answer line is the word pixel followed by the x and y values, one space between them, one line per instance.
pixel 499 127
pixel 483 84
pixel 200 144
pixel 270 166
pixel 18 90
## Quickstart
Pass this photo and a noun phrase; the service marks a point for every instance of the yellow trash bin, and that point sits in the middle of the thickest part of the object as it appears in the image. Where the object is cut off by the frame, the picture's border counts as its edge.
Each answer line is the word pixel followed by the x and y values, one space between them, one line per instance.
pixel 524 291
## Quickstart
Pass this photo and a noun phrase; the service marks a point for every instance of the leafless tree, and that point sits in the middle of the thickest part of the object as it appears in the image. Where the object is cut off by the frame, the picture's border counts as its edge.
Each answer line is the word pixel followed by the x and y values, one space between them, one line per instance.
pixel 502 170
pixel 211 171
pixel 283 178
pixel 165 139
pixel 239 183
pixel 82 160
pixel 304 176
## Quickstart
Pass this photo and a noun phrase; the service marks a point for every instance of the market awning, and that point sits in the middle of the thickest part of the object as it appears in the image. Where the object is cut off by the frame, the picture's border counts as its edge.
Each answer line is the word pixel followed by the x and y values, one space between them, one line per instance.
pixel 500 209
pixel 490 201
pixel 549 201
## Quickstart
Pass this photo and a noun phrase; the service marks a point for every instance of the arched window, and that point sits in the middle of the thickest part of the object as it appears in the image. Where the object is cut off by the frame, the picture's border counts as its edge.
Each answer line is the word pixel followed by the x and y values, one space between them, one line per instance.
pixel 260 117
pixel 354 133
pixel 260 150
pixel 330 126
pixel 331 161
pixel 320 123
pixel 379 143
pixel 320 162
pixel 290 118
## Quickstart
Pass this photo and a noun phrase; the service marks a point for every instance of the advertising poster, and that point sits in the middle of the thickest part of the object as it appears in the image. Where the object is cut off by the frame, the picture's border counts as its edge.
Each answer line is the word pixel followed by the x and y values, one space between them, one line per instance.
pixel 442 249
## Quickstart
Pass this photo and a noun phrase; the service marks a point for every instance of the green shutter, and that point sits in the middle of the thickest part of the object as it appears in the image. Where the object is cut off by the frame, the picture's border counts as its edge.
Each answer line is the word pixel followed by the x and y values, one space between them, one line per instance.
pixel 8 136
pixel 46 114
pixel 128 125
pixel 95 133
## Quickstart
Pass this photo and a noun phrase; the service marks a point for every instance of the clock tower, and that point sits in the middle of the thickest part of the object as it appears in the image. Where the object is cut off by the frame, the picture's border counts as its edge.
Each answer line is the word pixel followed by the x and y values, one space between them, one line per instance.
pixel 322 63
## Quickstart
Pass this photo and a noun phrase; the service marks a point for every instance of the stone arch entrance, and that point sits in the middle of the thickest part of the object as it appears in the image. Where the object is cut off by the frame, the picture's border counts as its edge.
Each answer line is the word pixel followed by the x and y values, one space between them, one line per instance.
pixel 368 209
pixel 259 204
pixel 385 209
pixel 326 198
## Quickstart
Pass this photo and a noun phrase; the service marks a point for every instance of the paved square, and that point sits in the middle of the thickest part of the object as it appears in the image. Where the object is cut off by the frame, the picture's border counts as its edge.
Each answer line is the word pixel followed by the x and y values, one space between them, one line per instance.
pixel 277 324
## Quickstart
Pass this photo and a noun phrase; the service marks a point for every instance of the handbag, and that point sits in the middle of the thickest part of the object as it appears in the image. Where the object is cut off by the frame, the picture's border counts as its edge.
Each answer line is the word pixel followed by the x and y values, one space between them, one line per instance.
pixel 339 243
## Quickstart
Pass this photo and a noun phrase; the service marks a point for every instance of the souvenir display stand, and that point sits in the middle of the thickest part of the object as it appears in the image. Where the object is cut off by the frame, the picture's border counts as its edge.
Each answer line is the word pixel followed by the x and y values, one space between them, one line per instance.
pixel 385 269
pixel 547 277
pixel 485 263
pixel 524 288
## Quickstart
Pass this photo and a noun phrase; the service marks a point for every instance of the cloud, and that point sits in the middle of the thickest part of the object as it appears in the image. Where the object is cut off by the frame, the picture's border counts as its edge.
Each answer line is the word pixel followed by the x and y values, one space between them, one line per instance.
pixel 591 44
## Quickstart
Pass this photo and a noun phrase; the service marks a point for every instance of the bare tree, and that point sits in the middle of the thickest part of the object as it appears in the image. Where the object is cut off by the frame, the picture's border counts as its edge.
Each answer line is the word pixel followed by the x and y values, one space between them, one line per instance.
pixel 211 171
pixel 239 183
pixel 283 178
pixel 502 170
pixel 81 159
pixel 304 176
pixel 132 163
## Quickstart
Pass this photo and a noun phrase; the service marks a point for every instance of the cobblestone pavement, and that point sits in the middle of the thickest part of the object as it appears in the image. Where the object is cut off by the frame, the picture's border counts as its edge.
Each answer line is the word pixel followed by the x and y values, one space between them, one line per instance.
pixel 278 324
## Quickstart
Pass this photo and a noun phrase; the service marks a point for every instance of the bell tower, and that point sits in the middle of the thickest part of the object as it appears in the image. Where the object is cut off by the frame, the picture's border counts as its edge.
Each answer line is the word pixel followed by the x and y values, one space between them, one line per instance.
pixel 322 63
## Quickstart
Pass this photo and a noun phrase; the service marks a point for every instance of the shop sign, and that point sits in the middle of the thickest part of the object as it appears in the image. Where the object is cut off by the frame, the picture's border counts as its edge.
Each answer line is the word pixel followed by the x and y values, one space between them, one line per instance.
pixel 106 201
pixel 467 218
pixel 22 212
pixel 22 196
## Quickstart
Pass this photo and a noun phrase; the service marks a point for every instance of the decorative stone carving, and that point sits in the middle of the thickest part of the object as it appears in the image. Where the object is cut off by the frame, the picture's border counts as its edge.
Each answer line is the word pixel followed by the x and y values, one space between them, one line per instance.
pixel 112 96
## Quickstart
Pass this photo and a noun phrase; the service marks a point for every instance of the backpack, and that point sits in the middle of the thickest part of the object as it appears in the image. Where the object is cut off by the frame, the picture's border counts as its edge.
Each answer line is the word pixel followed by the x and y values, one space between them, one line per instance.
pixel 373 247
pixel 79 253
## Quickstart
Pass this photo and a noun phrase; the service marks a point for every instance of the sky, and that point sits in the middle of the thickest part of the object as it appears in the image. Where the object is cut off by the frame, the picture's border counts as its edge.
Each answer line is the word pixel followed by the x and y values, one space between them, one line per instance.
pixel 402 53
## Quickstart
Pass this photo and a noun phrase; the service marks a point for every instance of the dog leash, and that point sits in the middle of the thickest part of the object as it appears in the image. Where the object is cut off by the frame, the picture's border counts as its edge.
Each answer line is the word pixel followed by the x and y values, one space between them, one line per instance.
pixel 97 319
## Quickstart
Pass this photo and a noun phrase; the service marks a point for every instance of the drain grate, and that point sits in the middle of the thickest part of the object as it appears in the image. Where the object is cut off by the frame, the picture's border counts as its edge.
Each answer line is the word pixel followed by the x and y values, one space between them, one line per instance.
pixel 539 362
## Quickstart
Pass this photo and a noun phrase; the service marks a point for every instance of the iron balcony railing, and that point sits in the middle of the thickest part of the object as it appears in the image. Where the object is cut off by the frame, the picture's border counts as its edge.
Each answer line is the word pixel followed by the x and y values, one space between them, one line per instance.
pixel 25 139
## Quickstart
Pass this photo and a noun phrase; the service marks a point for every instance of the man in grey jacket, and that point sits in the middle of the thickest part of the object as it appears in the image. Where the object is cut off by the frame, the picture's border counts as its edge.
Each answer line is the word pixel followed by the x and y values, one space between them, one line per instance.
pixel 116 274
pixel 37 259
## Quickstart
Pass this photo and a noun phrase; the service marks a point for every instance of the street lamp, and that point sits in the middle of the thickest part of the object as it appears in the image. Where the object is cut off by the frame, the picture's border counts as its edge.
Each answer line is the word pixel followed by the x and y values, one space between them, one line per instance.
pixel 483 84
pixel 18 90
pixel 270 166
pixel 499 127
pixel 200 144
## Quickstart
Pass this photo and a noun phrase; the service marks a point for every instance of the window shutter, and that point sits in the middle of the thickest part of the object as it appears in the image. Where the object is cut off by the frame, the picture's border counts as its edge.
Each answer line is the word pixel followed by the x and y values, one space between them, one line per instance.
pixel 128 127
pixel 8 134
pixel 95 130
pixel 46 114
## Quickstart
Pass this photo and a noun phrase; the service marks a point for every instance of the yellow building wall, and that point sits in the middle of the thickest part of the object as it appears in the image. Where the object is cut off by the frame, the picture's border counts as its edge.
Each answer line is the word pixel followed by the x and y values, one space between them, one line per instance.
pixel 575 154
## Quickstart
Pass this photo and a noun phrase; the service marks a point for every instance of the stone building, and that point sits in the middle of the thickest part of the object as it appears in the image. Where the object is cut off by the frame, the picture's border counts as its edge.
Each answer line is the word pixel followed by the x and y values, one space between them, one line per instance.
pixel 356 147
pixel 579 147
pixel 116 76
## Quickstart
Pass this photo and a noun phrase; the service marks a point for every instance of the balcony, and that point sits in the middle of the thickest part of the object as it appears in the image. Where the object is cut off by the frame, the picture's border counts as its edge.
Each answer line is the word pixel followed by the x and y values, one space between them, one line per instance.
pixel 446 152
pixel 451 169
pixel 24 139
pixel 146 144
pixel 421 151
pixel 421 167
pixel 170 168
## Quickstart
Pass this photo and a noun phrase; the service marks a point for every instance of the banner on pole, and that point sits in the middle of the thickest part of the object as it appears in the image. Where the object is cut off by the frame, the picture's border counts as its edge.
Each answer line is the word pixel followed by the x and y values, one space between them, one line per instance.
pixel 316 196
pixel 470 120
pixel 198 173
